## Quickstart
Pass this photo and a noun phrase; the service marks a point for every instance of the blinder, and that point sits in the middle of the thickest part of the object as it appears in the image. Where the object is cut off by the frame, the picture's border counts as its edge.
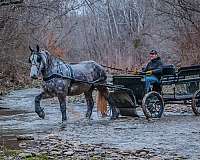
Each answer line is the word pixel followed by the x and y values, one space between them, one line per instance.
pixel 38 60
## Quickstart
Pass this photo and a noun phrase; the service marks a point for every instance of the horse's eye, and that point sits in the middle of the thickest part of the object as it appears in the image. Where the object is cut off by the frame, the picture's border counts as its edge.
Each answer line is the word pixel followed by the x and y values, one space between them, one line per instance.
pixel 39 59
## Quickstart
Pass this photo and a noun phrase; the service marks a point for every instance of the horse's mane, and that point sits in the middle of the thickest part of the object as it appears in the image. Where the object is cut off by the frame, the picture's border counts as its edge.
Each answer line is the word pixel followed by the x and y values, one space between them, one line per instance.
pixel 50 57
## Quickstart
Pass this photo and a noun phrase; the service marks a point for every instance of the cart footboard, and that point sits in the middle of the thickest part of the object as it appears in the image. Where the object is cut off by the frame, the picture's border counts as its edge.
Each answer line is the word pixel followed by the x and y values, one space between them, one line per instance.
pixel 124 102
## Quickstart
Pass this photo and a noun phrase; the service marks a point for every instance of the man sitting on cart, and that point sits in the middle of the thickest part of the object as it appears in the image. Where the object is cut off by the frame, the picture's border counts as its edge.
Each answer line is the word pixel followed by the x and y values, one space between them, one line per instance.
pixel 153 70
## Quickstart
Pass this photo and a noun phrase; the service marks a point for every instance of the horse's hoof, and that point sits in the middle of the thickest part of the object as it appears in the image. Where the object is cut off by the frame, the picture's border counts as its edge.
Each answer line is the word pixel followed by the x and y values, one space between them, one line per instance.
pixel 103 115
pixel 88 119
pixel 114 117
pixel 63 124
pixel 41 114
pixel 64 120
pixel 88 115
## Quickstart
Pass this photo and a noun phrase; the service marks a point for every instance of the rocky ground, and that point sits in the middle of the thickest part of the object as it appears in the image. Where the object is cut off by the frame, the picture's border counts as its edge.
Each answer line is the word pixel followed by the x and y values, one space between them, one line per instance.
pixel 53 147
pixel 24 135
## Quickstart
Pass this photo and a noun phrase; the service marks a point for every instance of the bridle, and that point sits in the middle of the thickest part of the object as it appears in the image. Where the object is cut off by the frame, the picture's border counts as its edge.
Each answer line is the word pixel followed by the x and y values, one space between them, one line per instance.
pixel 34 62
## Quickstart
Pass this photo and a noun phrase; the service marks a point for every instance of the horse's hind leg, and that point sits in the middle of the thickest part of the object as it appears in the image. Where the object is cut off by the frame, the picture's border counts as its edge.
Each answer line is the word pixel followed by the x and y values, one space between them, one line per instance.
pixel 62 101
pixel 38 109
pixel 90 103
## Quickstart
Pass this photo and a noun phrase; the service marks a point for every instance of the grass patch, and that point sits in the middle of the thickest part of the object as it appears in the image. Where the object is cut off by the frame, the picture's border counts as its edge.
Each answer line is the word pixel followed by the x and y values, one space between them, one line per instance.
pixel 38 157
pixel 9 152
pixel 15 153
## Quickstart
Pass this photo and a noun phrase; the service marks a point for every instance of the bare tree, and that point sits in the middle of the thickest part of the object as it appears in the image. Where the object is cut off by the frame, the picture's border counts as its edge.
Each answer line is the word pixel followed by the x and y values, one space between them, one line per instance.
pixel 184 16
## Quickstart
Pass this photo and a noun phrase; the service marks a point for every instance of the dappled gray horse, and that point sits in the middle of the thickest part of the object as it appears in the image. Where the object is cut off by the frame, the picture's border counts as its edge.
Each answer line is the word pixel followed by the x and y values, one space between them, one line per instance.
pixel 61 80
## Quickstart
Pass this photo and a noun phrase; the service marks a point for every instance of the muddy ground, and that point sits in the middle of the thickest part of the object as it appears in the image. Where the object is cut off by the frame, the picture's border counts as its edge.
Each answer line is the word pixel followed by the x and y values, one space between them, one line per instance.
pixel 175 136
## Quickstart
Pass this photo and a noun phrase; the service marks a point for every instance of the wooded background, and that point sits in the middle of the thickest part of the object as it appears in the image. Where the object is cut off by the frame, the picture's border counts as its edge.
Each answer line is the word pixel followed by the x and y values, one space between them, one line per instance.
pixel 117 33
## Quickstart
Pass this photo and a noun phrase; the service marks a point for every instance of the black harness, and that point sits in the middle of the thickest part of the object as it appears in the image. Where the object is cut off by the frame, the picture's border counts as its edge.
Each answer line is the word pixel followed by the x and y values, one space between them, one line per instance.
pixel 71 76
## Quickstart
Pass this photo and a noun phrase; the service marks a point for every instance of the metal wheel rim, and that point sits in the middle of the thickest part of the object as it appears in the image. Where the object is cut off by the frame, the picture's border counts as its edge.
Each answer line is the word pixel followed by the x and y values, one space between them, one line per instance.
pixel 196 103
pixel 156 108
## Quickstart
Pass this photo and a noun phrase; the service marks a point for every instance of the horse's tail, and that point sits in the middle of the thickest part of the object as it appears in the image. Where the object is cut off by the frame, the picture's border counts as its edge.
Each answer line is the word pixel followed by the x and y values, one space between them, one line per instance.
pixel 101 100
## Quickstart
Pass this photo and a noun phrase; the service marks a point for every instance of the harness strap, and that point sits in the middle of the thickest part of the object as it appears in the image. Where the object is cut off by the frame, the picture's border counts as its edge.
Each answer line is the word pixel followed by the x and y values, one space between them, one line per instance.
pixel 53 76
pixel 70 76
pixel 71 71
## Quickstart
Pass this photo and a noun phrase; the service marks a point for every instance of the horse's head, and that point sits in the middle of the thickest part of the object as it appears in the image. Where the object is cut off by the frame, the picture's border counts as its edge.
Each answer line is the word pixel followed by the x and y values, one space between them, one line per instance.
pixel 37 60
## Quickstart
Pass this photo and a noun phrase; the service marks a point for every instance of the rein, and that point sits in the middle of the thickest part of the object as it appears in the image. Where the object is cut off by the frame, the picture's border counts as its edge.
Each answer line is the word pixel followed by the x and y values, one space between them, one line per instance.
pixel 117 69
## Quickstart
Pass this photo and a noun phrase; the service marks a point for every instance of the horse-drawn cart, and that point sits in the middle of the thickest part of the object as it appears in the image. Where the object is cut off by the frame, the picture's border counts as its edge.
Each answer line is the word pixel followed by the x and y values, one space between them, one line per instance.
pixel 129 92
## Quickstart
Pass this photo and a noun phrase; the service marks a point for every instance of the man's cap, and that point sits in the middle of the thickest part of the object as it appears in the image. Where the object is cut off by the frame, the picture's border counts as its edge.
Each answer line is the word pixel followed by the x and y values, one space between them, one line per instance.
pixel 153 52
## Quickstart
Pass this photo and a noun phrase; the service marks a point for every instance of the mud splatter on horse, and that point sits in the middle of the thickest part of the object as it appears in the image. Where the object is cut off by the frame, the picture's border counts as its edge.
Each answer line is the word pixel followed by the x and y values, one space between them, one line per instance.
pixel 61 80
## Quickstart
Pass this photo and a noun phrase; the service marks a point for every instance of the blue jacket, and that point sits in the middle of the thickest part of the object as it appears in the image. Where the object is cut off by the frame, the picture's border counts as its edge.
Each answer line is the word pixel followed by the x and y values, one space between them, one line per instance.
pixel 155 65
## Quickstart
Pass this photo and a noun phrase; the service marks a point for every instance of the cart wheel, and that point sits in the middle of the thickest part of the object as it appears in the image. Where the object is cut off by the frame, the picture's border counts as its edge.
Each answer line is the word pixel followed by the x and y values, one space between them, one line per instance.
pixel 196 103
pixel 152 105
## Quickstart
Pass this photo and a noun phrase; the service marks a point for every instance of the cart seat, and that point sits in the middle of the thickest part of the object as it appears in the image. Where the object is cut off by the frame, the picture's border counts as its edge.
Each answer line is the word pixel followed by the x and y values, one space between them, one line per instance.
pixel 167 72
pixel 189 70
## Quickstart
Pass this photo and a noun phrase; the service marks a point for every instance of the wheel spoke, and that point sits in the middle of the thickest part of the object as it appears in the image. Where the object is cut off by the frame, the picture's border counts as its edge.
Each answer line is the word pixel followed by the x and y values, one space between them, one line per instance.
pixel 152 105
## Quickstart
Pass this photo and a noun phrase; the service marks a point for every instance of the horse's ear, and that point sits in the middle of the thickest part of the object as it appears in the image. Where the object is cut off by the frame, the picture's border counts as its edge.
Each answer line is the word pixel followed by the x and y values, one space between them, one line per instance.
pixel 37 48
pixel 30 49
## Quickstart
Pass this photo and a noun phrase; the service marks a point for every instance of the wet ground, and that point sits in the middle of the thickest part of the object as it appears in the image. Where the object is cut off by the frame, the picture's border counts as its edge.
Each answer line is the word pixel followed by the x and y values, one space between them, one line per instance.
pixel 177 133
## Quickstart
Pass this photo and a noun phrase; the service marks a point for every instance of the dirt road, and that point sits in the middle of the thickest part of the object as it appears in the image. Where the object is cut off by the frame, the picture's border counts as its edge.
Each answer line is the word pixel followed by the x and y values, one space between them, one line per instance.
pixel 175 135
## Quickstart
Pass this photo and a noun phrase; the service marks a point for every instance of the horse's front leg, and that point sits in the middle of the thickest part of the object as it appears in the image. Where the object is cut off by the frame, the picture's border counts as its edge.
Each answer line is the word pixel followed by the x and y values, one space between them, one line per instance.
pixel 62 101
pixel 38 109
pixel 90 103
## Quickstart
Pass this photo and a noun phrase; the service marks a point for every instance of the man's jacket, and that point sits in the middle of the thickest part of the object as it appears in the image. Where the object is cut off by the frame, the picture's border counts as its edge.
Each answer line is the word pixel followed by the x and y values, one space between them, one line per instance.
pixel 155 65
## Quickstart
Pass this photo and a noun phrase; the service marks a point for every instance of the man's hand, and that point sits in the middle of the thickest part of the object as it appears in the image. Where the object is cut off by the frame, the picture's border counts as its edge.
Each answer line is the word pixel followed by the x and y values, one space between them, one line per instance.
pixel 149 72
pixel 135 72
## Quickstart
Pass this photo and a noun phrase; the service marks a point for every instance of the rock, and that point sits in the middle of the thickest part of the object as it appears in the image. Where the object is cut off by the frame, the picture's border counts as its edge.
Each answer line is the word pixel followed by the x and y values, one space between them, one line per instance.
pixel 24 137
pixel 179 157
pixel 124 153
pixel 22 145
pixel 96 157
pixel 9 158
pixel 51 157
pixel 76 144
pixel 55 153
pixel 131 157
pixel 80 150
pixel 43 143
pixel 143 153
pixel 35 154
pixel 80 157
pixel 51 136
pixel 114 155
pixel 69 153
pixel 57 146
pixel 109 152
pixel 98 150
pixel 25 155
pixel 43 152
pixel 156 158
